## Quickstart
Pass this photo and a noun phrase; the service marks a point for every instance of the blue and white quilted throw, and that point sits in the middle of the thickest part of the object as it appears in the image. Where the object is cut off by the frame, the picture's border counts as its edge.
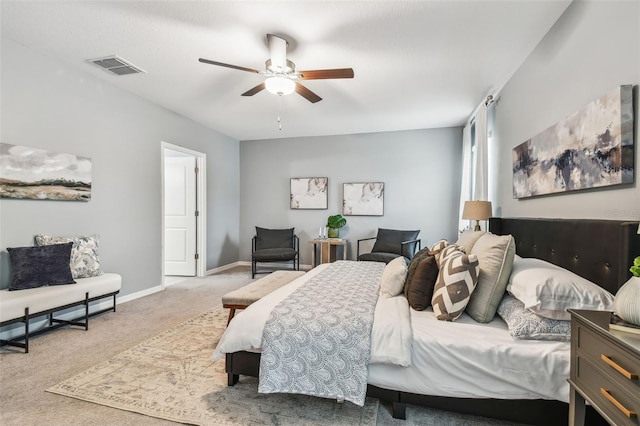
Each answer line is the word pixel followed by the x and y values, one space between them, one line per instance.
pixel 317 341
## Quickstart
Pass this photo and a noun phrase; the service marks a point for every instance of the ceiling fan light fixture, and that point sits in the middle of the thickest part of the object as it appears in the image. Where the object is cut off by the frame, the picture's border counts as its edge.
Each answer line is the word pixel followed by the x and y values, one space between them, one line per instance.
pixel 279 85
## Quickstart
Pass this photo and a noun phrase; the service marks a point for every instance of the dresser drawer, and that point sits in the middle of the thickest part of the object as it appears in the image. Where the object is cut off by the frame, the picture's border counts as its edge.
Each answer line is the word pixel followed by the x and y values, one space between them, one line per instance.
pixel 593 383
pixel 615 362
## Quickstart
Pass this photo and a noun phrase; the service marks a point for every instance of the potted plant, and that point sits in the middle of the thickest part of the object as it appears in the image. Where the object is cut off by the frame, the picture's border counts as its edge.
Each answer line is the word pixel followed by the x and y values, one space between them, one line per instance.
pixel 626 304
pixel 334 223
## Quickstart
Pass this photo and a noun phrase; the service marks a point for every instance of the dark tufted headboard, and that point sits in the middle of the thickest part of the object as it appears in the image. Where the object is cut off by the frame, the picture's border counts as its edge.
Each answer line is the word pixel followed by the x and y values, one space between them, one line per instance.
pixel 601 251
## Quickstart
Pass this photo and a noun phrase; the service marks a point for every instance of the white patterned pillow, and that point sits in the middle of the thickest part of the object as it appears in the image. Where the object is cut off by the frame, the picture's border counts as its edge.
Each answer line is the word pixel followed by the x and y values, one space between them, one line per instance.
pixel 524 324
pixel 437 247
pixel 448 251
pixel 393 277
pixel 84 261
pixel 456 281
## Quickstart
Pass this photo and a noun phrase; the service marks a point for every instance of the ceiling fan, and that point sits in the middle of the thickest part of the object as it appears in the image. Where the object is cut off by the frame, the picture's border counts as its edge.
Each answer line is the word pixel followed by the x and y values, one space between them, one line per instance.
pixel 282 77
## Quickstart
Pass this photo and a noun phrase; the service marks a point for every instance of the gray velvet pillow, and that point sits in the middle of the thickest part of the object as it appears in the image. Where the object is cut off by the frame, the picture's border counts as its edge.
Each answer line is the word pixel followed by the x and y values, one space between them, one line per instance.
pixel 495 254
pixel 390 241
pixel 273 238
pixel 40 266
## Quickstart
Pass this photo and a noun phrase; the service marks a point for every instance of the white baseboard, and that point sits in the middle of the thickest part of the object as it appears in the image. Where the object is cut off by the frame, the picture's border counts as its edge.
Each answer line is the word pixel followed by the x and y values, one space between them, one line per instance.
pixel 225 267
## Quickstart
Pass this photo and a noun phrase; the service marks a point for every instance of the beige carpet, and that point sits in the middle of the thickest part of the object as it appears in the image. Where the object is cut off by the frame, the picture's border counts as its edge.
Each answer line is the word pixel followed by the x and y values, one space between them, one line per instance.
pixel 171 376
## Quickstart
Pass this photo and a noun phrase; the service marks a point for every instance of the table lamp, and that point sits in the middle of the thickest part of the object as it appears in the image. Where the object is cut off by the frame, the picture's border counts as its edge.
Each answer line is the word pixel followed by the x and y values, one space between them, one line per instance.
pixel 477 210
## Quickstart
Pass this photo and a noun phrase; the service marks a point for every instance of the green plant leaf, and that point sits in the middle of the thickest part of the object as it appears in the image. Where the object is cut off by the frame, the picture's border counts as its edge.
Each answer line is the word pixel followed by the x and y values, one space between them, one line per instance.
pixel 336 221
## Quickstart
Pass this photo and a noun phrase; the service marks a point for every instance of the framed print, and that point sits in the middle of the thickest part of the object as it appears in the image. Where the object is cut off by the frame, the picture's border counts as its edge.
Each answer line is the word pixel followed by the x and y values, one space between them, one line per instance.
pixel 309 193
pixel 31 173
pixel 592 148
pixel 363 199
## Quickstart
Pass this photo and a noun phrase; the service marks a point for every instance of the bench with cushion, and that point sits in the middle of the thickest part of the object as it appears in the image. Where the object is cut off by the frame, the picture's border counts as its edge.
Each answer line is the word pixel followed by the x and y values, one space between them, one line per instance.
pixel 57 274
pixel 23 305
pixel 245 296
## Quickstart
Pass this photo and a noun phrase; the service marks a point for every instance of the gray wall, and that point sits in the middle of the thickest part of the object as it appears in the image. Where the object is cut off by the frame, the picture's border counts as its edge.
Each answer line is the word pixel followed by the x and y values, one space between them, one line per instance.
pixel 420 169
pixel 593 48
pixel 48 105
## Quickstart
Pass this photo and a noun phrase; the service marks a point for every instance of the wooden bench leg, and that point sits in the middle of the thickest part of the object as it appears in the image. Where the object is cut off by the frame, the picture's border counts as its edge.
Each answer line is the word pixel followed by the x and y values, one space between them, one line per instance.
pixel 232 312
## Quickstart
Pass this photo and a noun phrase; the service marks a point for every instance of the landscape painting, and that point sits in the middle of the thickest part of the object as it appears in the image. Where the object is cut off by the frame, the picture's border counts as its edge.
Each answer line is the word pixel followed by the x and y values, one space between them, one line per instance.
pixel 309 193
pixel 363 199
pixel 592 148
pixel 30 173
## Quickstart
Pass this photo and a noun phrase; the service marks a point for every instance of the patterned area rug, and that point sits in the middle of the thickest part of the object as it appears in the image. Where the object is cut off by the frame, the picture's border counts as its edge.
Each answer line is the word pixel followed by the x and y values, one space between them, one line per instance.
pixel 171 376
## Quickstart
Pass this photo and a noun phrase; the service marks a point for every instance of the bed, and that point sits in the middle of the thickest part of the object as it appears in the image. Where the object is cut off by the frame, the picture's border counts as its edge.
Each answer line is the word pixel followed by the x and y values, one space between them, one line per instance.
pixel 598 250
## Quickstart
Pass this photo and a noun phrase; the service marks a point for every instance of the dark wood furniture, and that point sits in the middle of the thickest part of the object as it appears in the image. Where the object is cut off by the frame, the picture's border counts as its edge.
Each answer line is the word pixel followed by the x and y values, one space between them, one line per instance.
pixel 605 365
pixel 598 250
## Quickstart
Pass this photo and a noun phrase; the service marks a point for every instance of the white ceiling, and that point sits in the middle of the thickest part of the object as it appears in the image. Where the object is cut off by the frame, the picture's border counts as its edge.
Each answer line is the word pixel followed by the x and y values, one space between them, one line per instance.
pixel 418 64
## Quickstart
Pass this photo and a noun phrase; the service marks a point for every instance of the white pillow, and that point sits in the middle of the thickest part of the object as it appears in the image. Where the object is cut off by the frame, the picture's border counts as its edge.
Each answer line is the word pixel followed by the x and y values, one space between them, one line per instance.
pixel 549 290
pixel 393 276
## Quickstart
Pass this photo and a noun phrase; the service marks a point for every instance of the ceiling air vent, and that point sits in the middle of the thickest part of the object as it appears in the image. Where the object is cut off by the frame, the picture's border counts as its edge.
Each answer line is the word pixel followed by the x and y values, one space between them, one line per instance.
pixel 116 65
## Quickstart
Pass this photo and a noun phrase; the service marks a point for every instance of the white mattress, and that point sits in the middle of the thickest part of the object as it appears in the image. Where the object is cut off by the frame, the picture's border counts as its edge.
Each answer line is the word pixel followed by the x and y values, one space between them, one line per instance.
pixel 466 359
pixel 463 359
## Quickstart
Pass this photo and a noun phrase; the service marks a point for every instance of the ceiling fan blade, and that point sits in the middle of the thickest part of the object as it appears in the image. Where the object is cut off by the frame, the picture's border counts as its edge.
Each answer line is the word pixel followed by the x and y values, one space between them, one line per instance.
pixel 222 64
pixel 326 74
pixel 307 94
pixel 251 92
pixel 277 51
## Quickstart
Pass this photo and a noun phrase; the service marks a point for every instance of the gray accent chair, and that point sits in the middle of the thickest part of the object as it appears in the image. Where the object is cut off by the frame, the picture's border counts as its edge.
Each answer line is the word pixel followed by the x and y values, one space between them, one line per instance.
pixel 391 243
pixel 274 246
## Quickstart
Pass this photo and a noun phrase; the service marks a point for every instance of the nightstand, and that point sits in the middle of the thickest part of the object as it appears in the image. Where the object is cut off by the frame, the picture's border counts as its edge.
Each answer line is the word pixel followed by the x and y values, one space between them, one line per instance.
pixel 605 365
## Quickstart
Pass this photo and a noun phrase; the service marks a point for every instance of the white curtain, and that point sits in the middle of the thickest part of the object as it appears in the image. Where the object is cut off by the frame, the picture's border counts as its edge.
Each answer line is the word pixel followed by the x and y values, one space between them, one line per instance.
pixel 465 189
pixel 475 187
pixel 481 181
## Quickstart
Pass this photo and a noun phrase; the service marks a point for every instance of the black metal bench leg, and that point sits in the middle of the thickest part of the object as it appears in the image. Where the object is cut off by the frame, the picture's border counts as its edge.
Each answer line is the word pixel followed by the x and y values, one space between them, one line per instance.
pixel 86 311
pixel 26 330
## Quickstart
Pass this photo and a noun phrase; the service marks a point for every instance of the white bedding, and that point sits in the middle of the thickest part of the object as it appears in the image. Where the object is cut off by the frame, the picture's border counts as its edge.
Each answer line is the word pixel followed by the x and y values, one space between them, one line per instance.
pixel 431 357
pixel 466 359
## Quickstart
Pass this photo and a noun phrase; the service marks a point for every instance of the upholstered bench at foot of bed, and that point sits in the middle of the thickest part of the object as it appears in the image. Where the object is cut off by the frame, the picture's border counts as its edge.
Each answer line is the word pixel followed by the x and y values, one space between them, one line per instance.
pixel 23 305
pixel 245 296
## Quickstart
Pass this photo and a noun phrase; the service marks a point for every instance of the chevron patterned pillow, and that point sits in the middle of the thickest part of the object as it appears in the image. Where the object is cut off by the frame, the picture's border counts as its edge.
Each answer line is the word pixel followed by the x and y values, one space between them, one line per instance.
pixel 457 279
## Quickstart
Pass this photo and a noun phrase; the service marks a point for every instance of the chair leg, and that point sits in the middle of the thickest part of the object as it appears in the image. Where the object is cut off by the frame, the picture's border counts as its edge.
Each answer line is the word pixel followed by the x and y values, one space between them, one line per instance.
pixel 253 269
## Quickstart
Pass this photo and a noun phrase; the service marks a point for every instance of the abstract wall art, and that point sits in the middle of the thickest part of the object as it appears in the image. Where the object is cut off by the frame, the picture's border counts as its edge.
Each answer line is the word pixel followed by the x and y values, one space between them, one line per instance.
pixel 363 199
pixel 309 193
pixel 30 173
pixel 591 148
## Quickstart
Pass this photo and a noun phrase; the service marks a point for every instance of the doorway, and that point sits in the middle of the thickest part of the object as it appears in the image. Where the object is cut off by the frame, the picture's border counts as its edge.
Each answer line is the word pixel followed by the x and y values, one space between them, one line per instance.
pixel 183 213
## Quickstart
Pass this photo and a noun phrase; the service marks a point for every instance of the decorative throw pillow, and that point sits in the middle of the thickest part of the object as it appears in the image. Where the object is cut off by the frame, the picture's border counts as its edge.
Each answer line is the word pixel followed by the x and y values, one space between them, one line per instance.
pixel 33 267
pixel 437 247
pixel 420 289
pixel 524 324
pixel 457 279
pixel 495 254
pixel 393 276
pixel 85 261
pixel 468 238
pixel 413 265
pixel 446 252
pixel 549 290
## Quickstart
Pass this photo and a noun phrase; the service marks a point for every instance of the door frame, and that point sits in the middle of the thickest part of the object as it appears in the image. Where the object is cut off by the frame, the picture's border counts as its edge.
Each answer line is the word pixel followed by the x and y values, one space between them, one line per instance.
pixel 201 207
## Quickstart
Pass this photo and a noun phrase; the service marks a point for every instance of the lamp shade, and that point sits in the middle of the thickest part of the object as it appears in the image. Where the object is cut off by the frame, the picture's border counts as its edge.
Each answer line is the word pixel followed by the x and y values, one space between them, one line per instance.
pixel 280 85
pixel 477 210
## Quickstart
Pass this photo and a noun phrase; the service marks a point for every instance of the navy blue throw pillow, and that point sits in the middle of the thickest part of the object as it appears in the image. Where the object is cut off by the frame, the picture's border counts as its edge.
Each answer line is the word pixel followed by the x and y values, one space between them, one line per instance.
pixel 40 266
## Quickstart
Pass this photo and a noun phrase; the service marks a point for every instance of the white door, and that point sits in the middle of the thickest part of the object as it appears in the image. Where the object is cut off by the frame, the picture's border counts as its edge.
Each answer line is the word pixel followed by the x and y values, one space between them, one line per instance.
pixel 180 216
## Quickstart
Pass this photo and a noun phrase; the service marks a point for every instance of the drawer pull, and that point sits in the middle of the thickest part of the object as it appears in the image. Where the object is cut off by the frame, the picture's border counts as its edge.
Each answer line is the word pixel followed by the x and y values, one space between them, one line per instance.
pixel 629 375
pixel 628 413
